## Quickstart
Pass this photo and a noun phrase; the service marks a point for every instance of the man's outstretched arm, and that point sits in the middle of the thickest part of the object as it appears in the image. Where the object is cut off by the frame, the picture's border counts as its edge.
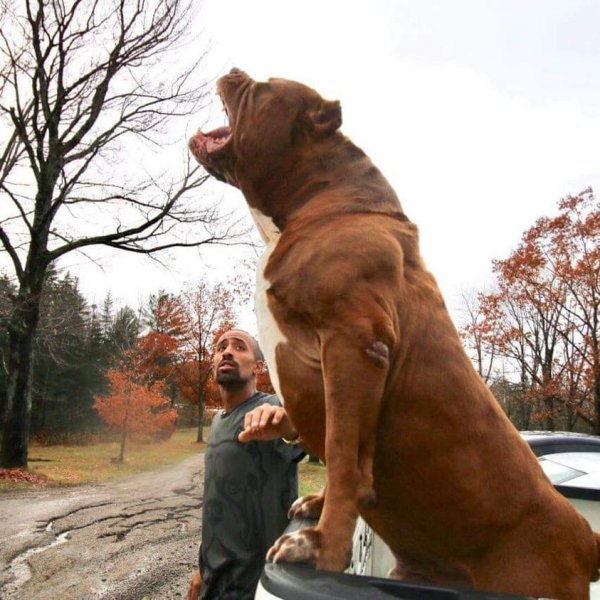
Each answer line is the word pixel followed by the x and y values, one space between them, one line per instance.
pixel 267 422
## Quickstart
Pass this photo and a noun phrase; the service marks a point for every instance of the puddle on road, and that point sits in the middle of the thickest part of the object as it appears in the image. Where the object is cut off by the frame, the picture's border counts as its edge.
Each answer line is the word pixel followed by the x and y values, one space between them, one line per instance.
pixel 20 569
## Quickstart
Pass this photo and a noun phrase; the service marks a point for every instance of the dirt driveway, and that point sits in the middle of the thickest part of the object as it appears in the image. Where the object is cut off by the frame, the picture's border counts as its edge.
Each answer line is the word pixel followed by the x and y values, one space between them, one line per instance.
pixel 128 540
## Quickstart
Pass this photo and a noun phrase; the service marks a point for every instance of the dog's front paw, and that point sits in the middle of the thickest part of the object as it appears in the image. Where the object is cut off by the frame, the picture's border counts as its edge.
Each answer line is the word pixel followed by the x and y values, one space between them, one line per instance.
pixel 300 546
pixel 308 507
pixel 309 545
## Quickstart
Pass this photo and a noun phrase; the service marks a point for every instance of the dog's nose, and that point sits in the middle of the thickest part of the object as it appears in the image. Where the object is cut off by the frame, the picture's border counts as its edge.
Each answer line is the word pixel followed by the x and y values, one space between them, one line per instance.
pixel 236 71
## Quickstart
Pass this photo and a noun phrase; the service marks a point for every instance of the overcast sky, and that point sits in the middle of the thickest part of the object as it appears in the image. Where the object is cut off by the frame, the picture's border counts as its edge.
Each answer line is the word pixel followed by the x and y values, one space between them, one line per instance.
pixel 481 113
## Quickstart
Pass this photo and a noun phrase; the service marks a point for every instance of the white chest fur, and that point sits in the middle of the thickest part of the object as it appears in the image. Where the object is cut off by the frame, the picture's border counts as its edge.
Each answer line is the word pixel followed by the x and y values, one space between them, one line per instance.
pixel 268 331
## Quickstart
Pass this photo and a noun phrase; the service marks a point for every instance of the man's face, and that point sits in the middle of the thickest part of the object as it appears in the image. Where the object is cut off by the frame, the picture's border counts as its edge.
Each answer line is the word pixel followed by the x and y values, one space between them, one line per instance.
pixel 234 362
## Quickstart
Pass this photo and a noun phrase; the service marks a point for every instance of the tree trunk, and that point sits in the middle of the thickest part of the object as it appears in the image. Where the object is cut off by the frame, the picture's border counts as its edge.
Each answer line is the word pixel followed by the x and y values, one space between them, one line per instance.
pixel 597 403
pixel 200 436
pixel 549 423
pixel 525 415
pixel 524 406
pixel 22 329
pixel 121 458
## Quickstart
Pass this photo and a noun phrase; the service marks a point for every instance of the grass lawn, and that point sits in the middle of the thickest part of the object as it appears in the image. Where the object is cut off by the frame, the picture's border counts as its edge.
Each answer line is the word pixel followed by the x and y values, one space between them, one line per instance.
pixel 311 477
pixel 72 465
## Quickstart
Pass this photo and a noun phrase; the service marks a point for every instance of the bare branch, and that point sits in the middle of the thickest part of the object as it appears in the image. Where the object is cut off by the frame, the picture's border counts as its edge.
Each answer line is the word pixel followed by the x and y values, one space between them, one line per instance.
pixel 11 252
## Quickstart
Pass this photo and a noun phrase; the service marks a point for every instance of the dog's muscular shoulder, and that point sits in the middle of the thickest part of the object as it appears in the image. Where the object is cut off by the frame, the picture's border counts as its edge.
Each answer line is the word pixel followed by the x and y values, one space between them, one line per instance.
pixel 360 252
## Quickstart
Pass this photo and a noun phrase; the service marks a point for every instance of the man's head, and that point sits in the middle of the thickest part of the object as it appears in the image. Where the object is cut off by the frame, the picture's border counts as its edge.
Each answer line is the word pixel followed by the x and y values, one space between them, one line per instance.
pixel 237 359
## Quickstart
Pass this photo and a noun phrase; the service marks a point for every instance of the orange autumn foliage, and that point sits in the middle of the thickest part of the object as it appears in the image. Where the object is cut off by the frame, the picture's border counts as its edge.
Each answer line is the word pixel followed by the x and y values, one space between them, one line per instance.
pixel 195 382
pixel 263 382
pixel 154 355
pixel 132 407
pixel 209 312
pixel 543 318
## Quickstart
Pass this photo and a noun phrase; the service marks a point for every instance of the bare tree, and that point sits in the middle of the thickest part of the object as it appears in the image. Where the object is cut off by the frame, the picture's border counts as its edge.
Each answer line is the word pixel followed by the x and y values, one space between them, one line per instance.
pixel 544 317
pixel 210 311
pixel 90 94
pixel 478 335
pixel 570 245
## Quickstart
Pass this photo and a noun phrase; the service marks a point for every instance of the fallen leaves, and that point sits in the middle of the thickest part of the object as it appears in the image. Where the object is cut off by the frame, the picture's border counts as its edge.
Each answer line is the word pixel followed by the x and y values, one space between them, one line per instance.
pixel 21 476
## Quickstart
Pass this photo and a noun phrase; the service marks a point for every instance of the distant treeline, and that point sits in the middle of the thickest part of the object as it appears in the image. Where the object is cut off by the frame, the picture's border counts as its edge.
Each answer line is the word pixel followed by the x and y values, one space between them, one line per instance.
pixel 78 343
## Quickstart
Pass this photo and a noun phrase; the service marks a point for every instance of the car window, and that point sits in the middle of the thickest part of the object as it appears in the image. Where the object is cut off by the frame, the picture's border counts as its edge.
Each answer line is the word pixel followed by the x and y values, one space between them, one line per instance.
pixel 589 481
pixel 587 462
pixel 558 473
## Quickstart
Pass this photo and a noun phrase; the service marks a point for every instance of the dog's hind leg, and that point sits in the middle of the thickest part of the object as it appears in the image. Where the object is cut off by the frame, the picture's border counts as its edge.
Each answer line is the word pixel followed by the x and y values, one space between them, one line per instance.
pixel 432 571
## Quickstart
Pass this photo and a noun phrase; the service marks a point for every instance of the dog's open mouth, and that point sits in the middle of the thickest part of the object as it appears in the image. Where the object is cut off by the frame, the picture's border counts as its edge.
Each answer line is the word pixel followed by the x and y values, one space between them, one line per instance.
pixel 205 143
pixel 213 141
pixel 214 150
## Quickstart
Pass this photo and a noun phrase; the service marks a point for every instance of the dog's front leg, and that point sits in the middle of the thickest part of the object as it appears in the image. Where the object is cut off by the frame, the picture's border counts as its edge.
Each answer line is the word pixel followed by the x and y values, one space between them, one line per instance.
pixel 355 365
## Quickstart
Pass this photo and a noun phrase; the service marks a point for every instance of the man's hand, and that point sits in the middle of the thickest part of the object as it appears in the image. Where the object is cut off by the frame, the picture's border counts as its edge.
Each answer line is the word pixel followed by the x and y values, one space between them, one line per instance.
pixel 195 585
pixel 267 422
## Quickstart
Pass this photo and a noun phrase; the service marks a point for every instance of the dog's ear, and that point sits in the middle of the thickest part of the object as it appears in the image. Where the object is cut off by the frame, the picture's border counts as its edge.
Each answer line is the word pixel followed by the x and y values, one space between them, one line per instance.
pixel 327 118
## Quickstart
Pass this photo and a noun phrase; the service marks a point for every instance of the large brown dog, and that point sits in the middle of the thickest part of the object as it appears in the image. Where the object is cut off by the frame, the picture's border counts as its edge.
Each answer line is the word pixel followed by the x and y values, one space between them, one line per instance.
pixel 372 371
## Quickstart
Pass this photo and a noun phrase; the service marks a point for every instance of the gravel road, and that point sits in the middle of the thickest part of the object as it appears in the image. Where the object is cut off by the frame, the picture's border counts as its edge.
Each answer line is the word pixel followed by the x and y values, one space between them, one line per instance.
pixel 132 539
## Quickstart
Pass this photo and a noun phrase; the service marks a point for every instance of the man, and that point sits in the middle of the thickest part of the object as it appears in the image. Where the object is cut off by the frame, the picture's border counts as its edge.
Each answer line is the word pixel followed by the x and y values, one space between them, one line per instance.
pixel 251 475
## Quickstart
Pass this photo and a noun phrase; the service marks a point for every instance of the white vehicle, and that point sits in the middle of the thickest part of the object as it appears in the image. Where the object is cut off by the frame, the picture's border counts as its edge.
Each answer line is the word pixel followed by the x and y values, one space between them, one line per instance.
pixel 571 461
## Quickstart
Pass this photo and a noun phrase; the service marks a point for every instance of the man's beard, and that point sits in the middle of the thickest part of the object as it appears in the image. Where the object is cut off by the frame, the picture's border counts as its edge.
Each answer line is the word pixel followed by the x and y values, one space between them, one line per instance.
pixel 231 380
